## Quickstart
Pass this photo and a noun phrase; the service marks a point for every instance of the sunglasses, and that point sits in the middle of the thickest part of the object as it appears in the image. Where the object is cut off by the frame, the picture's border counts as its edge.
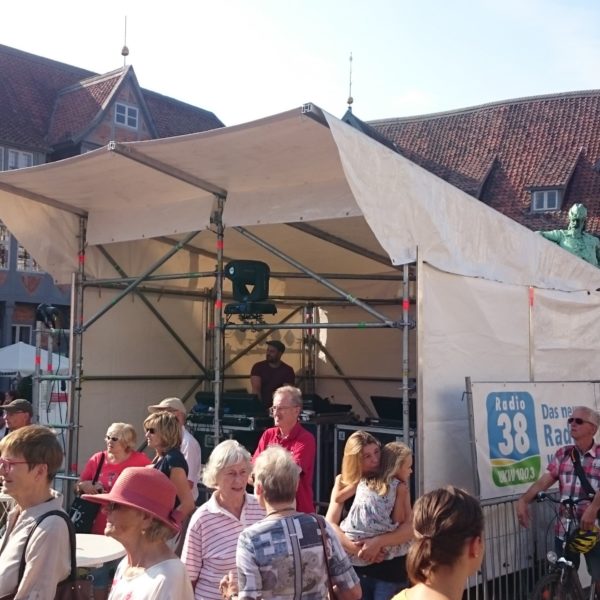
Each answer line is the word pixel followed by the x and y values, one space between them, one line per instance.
pixel 150 430
pixel 577 421
pixel 111 506
pixel 112 438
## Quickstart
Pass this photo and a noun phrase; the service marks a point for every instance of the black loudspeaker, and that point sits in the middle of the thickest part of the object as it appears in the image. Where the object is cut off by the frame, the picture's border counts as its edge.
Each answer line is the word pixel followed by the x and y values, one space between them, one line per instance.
pixel 323 475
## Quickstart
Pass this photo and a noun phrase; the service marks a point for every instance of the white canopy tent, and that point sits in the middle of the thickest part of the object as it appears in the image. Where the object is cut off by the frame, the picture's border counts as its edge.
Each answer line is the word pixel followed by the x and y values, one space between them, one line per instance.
pixel 342 205
pixel 19 359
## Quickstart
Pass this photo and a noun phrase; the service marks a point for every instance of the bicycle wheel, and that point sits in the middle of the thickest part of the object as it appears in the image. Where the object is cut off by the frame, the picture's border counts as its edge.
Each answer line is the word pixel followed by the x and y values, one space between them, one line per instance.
pixel 550 587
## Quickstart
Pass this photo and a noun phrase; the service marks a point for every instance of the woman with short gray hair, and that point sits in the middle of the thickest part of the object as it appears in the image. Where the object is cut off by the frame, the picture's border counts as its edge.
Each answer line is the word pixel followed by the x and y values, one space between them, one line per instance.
pixel 211 539
pixel 285 555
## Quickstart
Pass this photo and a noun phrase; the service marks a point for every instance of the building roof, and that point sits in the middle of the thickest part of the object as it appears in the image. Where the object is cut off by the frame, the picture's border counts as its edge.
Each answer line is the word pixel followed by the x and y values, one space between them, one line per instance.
pixel 500 152
pixel 44 102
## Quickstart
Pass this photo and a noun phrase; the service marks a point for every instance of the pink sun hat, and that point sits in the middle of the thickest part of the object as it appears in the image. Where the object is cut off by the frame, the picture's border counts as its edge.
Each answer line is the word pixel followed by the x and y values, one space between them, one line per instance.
pixel 143 488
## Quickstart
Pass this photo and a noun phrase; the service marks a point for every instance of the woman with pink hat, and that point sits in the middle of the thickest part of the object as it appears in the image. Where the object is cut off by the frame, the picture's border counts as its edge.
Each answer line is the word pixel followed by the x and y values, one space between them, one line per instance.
pixel 139 514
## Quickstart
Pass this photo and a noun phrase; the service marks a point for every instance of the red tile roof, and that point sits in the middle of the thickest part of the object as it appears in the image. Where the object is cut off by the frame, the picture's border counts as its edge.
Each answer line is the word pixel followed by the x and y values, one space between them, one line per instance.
pixel 45 102
pixel 79 105
pixel 500 151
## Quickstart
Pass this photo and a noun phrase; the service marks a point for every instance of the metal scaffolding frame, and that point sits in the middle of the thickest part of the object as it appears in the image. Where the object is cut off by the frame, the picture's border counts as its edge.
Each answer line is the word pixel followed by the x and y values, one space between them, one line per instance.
pixel 216 327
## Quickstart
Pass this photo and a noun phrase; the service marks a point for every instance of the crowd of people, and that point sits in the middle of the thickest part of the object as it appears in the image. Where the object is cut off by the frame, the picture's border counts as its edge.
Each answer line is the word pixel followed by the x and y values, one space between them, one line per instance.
pixel 265 543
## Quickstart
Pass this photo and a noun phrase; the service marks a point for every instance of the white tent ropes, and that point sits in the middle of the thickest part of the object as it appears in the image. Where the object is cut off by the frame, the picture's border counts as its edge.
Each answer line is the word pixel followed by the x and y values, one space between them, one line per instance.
pixel 315 189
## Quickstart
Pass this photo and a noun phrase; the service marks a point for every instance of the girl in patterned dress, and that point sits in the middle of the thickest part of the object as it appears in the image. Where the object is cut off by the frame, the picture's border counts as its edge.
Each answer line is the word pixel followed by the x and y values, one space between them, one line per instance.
pixel 382 502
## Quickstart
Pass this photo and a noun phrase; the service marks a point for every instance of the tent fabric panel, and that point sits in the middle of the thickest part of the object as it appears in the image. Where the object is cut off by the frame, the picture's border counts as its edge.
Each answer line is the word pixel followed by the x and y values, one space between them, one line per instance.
pixel 566 330
pixel 49 234
pixel 469 328
pixel 408 208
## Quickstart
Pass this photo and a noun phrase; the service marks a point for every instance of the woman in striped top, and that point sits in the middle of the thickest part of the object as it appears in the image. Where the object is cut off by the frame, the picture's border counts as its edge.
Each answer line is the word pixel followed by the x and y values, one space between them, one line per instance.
pixel 211 540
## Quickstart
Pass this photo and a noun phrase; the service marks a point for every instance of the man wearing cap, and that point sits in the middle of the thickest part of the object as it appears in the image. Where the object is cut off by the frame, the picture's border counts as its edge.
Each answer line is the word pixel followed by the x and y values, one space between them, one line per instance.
pixel 18 413
pixel 268 375
pixel 190 448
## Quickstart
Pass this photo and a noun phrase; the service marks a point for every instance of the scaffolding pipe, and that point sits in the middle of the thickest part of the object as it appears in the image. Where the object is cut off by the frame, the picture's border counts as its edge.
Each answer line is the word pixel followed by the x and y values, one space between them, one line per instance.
pixel 315 276
pixel 357 325
pixel 405 389
pixel 218 317
pixel 75 358
pixel 155 312
pixel 258 340
pixel 161 261
pixel 273 274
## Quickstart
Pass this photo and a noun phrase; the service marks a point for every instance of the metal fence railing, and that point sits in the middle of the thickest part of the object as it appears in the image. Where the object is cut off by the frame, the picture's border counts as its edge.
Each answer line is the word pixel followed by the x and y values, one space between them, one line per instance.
pixel 514 557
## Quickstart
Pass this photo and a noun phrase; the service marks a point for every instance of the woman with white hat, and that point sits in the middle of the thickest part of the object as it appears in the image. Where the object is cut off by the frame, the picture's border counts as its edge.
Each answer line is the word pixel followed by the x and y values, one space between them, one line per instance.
pixel 139 511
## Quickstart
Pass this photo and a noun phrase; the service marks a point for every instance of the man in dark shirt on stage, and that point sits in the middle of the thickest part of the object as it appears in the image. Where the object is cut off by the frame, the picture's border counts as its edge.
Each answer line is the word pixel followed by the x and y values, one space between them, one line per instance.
pixel 268 375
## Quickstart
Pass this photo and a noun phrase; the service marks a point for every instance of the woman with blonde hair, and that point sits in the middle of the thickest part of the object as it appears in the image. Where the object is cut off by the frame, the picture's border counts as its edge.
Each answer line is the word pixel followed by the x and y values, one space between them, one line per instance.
pixel 380 578
pixel 448 545
pixel 163 434
pixel 212 535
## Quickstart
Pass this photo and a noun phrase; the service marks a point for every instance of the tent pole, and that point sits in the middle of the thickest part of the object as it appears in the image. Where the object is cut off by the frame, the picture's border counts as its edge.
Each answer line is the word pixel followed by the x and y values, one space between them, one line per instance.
pixel 75 359
pixel 405 394
pixel 219 331
pixel 323 281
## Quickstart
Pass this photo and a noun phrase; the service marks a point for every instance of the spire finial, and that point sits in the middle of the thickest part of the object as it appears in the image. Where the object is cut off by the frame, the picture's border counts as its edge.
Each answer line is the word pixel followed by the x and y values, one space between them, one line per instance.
pixel 350 98
pixel 125 49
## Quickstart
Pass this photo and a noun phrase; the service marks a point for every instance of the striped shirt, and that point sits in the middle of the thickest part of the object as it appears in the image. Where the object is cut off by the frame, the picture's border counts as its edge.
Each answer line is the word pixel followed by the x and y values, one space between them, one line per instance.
pixel 210 544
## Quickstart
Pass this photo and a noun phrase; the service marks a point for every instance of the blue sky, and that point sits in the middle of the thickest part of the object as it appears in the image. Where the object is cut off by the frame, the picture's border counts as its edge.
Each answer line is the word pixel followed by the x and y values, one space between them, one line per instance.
pixel 245 59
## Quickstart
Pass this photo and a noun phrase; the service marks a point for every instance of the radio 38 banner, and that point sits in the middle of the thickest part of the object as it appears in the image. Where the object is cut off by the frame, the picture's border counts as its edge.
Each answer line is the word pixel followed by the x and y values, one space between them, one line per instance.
pixel 519 426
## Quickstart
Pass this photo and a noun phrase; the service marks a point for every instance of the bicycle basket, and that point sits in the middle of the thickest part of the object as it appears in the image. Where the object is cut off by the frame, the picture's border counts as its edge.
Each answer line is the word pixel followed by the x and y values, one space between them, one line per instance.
pixel 583 541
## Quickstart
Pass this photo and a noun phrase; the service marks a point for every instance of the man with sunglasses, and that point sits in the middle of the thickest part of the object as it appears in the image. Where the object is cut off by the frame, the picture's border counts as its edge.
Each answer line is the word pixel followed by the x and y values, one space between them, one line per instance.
pixel 583 425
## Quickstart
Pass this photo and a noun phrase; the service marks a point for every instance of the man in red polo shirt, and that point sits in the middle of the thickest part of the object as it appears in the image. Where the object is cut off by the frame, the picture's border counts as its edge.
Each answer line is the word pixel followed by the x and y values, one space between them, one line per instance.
pixel 288 433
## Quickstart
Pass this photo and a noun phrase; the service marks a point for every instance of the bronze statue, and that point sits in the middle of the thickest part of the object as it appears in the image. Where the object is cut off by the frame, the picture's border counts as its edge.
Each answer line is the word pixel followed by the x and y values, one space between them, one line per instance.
pixel 575 239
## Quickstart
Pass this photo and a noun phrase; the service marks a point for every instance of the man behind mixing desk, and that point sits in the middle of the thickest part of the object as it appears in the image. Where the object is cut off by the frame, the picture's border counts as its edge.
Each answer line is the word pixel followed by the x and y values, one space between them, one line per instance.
pixel 268 375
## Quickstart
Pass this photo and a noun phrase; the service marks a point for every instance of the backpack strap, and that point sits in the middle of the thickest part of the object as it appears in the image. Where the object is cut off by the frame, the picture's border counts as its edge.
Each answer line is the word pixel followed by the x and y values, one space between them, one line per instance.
pixel 56 513
pixel 585 484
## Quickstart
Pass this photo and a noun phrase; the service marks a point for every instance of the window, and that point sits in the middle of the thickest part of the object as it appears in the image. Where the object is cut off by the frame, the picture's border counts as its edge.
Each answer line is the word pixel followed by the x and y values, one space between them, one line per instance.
pixel 25 261
pixel 4 246
pixel 545 200
pixel 126 115
pixel 21 333
pixel 18 159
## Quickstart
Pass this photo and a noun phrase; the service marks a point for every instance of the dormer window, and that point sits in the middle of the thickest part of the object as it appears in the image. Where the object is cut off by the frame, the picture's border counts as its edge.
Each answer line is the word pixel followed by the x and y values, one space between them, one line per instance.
pixel 546 200
pixel 126 115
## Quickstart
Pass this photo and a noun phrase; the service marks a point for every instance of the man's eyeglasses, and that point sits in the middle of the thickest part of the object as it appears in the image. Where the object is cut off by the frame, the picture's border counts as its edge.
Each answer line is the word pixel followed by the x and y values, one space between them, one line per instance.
pixel 150 430
pixel 7 465
pixel 275 409
pixel 578 421
pixel 111 438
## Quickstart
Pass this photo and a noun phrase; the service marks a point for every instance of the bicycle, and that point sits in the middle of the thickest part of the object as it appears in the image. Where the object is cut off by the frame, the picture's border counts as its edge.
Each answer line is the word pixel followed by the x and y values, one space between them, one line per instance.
pixel 562 580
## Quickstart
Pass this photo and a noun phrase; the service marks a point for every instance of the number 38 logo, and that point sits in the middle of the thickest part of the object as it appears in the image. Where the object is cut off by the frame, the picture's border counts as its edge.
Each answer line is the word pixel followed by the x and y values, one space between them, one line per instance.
pixel 511 425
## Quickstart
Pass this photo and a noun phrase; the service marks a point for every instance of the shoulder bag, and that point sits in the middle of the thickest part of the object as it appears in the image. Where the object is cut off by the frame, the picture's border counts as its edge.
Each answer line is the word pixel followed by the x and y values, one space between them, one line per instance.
pixel 71 588
pixel 330 585
pixel 82 512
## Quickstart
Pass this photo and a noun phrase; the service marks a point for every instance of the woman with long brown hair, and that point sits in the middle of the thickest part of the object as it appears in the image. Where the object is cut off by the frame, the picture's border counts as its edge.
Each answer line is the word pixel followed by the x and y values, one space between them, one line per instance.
pixel 448 545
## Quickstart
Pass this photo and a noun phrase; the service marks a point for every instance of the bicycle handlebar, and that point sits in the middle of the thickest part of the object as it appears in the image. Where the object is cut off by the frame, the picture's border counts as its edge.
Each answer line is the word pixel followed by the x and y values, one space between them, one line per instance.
pixel 572 502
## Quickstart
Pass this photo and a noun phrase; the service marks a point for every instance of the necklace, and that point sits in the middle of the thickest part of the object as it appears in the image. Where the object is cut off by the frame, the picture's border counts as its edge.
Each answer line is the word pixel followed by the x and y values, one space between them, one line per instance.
pixel 281 510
